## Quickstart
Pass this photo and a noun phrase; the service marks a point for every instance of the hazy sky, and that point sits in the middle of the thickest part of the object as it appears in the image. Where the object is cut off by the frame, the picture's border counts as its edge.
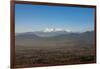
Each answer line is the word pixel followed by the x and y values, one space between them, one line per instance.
pixel 30 18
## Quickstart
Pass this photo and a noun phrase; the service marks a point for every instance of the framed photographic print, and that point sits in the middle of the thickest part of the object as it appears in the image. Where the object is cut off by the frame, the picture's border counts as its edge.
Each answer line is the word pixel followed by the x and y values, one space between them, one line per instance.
pixel 49 34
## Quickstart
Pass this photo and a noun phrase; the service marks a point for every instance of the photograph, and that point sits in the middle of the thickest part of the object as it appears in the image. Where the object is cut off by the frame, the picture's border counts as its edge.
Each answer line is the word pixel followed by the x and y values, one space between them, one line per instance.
pixel 49 34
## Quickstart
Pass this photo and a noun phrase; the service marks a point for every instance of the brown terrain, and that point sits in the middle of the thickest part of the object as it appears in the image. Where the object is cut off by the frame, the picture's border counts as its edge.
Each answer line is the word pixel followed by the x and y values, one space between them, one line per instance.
pixel 74 48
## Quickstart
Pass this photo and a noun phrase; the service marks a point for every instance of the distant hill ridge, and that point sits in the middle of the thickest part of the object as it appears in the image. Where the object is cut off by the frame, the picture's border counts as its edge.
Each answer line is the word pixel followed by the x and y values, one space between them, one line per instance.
pixel 50 34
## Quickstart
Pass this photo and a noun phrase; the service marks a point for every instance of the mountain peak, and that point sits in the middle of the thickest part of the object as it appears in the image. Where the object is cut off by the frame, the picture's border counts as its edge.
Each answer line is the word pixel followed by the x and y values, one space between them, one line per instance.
pixel 55 30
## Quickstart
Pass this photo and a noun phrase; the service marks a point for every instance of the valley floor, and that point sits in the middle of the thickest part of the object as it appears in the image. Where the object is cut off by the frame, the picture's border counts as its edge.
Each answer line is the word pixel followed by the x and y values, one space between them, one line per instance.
pixel 42 56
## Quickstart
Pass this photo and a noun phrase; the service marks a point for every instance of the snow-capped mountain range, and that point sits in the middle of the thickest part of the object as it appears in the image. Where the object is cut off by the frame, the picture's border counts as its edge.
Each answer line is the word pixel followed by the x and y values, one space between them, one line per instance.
pixel 55 30
pixel 49 32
